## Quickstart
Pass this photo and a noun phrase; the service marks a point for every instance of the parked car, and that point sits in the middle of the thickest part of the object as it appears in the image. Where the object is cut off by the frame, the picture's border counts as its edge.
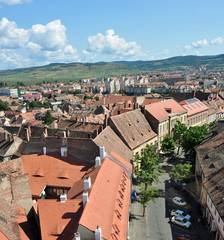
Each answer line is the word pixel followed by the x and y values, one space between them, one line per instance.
pixel 179 201
pixel 181 221
pixel 184 237
pixel 180 213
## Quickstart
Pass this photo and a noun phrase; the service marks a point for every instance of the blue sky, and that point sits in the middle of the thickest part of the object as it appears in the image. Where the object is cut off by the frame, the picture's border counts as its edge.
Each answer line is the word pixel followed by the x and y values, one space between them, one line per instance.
pixel 39 32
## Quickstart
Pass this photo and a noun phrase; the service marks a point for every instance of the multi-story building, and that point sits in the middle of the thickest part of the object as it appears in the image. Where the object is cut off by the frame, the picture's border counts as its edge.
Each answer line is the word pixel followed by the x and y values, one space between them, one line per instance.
pixel 163 116
pixel 9 92
pixel 197 112
pixel 209 171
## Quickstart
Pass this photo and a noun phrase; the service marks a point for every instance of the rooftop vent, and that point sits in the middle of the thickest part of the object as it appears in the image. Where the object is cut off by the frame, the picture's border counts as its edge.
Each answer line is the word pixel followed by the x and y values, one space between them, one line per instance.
pixel 44 150
pixel 98 233
pixel 85 198
pixel 76 236
pixel 64 151
pixel 63 197
pixel 97 162
pixel 102 153
pixel 87 183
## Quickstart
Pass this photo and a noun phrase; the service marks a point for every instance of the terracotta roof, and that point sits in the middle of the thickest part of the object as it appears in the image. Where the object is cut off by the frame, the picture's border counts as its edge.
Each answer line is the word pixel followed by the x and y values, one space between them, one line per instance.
pixel 149 101
pixel 132 128
pixel 59 220
pixel 158 110
pixel 112 143
pixel 48 170
pixel 27 116
pixel 193 106
pixel 114 99
pixel 215 189
pixel 3 236
pixel 107 192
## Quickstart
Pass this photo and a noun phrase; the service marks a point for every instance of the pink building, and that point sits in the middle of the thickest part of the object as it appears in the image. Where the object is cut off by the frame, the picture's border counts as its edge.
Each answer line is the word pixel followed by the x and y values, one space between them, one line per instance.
pixel 197 114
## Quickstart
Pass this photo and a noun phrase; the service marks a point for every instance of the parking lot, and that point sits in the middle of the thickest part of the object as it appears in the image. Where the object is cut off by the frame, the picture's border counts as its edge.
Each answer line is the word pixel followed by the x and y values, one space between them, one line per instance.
pixel 159 218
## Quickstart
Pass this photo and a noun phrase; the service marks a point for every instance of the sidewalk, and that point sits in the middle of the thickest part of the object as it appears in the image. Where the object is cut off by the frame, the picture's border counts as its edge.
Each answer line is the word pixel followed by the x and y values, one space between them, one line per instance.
pixel 138 227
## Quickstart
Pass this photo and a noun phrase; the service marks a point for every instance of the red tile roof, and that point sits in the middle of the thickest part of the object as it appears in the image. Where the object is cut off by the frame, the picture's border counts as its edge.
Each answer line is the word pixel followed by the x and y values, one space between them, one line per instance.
pixel 112 191
pixel 193 106
pixel 59 220
pixel 158 110
pixel 48 169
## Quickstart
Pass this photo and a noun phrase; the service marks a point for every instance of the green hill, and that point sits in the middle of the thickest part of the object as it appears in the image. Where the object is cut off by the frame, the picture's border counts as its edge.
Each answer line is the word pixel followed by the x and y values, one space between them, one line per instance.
pixel 76 71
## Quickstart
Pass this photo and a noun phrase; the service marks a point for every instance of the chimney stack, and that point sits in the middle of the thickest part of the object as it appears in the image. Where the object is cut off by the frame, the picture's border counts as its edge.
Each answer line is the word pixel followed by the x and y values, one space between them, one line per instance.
pixel 86 119
pixel 76 236
pixel 44 150
pixel 85 198
pixel 97 162
pixel 67 132
pixel 28 133
pixel 98 233
pixel 63 197
pixel 64 151
pixel 45 132
pixel 102 153
pixel 87 183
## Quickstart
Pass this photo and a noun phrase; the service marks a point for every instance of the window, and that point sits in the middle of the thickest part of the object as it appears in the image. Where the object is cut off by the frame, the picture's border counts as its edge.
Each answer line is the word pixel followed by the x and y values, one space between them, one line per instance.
pixel 142 150
pixel 188 122
pixel 163 127
pixel 181 119
pixel 160 128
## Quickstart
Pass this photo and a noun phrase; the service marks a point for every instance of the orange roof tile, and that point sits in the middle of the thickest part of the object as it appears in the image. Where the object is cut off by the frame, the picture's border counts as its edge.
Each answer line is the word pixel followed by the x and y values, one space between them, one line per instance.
pixel 59 218
pixel 158 110
pixel 106 192
pixel 48 170
pixel 193 106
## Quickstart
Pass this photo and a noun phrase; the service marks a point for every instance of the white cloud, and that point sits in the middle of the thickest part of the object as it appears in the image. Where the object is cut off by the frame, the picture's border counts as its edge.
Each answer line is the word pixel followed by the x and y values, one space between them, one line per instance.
pixel 14 2
pixel 12 59
pixel 49 37
pixel 11 36
pixel 113 45
pixel 217 41
pixel 200 43
pixel 41 44
pixel 187 47
pixel 197 53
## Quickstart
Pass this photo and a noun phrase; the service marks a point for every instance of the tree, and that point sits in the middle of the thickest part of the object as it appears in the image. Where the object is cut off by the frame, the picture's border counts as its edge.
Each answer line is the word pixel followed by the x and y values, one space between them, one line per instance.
pixel 97 98
pixel 178 134
pixel 192 137
pixel 149 173
pixel 180 171
pixel 4 106
pixel 147 196
pixel 48 118
pixel 168 145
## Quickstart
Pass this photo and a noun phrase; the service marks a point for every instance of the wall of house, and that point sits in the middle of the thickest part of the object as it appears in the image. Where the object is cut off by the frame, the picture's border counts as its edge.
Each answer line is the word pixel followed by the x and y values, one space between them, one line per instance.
pixel 211 211
pixel 197 119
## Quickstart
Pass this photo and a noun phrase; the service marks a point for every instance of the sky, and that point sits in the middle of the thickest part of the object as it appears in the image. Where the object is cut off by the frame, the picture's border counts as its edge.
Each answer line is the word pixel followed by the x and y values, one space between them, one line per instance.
pixel 39 32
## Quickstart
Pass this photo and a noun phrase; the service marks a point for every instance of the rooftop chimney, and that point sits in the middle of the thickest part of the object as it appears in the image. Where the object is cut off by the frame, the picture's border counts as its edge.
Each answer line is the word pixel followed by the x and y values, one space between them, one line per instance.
pixel 64 151
pixel 45 132
pixel 68 132
pixel 87 183
pixel 97 162
pixel 86 119
pixel 76 236
pixel 98 233
pixel 27 134
pixel 102 153
pixel 85 198
pixel 44 150
pixel 63 197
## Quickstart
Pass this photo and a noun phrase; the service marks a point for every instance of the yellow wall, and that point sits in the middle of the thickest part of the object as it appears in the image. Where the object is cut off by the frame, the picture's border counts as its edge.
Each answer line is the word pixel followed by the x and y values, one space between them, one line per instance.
pixel 166 127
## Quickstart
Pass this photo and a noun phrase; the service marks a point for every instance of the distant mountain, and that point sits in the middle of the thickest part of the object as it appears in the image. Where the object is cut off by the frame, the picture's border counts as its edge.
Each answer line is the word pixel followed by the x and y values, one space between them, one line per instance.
pixel 76 71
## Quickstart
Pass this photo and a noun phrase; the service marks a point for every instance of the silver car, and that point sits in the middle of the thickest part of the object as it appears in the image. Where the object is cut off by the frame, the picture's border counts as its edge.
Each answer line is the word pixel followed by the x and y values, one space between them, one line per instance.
pixel 179 201
pixel 181 221
pixel 180 213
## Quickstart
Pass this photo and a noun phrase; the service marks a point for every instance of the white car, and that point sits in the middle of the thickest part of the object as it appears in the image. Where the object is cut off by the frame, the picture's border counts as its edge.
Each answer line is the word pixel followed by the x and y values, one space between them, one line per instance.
pixel 179 201
pixel 181 221
pixel 180 213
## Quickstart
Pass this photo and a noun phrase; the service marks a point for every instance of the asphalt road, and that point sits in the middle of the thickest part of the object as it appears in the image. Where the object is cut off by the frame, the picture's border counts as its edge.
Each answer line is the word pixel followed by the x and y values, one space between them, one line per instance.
pixel 158 222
